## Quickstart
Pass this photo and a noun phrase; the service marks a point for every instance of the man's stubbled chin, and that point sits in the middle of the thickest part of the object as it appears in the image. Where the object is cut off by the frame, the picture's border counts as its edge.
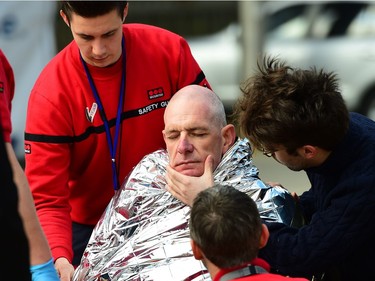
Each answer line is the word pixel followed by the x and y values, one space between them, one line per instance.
pixel 193 169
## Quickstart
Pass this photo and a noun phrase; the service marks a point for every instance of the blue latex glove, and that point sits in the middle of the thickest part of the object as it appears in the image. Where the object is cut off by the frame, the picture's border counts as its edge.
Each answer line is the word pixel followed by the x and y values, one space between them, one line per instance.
pixel 44 272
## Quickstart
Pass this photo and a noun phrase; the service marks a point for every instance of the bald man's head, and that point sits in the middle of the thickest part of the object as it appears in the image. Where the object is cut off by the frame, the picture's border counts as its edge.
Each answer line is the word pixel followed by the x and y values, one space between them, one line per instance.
pixel 193 96
pixel 195 127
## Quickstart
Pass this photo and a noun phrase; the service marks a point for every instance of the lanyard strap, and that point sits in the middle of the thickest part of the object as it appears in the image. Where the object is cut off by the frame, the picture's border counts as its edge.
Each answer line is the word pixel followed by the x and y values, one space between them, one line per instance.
pixel 112 146
pixel 245 271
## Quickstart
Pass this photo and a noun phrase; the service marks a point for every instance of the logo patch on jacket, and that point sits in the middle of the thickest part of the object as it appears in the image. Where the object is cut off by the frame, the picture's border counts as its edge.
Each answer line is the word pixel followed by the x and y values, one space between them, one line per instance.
pixel 1 87
pixel 90 113
pixel 155 93
pixel 27 148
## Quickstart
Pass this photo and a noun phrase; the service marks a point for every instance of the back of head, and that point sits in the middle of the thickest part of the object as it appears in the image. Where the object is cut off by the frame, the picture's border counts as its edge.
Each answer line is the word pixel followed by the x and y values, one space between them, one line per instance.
pixel 226 226
pixel 292 107
pixel 90 9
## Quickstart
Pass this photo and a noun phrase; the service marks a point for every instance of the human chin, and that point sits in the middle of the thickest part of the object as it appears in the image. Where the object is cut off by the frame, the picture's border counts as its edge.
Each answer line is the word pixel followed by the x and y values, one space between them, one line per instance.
pixel 192 170
pixel 105 62
pixel 295 168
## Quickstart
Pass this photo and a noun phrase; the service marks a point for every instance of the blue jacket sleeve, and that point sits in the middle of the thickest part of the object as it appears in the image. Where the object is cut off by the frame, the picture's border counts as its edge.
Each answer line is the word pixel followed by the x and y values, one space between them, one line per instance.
pixel 342 227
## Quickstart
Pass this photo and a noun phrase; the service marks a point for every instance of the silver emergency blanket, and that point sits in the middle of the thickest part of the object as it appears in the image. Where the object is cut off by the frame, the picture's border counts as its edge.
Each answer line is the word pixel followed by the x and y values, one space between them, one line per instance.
pixel 143 233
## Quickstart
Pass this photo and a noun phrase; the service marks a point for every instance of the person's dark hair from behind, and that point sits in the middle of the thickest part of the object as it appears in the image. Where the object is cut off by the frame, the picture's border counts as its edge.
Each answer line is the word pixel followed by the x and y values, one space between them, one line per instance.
pixel 90 9
pixel 292 107
pixel 226 226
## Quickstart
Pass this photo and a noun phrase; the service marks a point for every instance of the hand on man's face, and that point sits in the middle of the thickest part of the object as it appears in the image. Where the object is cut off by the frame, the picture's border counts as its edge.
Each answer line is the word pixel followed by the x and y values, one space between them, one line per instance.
pixel 185 188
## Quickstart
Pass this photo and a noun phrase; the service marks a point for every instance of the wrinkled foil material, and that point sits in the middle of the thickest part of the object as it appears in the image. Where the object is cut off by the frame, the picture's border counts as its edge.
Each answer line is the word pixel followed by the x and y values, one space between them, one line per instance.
pixel 143 233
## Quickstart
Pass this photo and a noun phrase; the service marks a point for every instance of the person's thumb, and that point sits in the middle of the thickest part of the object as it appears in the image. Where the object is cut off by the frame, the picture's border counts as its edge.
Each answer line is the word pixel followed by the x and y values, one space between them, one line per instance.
pixel 209 168
pixel 209 165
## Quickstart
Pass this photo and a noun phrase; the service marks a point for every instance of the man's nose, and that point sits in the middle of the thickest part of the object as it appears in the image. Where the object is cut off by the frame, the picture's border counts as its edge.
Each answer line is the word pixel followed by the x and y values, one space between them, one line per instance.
pixel 98 48
pixel 184 146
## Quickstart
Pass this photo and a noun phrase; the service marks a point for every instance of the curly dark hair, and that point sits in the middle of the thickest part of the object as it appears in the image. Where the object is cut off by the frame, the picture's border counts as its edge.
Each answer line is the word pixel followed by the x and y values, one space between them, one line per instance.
pixel 292 107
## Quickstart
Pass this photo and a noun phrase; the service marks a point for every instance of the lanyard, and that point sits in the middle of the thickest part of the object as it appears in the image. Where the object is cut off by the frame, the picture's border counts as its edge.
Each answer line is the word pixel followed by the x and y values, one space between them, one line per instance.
pixel 111 145
pixel 245 271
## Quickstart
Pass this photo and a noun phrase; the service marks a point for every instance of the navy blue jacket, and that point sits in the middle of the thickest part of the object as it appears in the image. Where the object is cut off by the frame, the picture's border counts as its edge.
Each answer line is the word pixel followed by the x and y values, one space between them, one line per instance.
pixel 339 237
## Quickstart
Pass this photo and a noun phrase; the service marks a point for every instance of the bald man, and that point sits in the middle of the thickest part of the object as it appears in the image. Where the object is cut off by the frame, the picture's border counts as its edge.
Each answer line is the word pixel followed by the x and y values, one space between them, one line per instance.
pixel 144 231
pixel 195 127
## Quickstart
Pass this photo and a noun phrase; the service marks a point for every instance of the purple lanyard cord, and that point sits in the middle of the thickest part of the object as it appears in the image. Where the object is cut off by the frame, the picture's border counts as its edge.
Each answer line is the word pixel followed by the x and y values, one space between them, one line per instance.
pixel 112 146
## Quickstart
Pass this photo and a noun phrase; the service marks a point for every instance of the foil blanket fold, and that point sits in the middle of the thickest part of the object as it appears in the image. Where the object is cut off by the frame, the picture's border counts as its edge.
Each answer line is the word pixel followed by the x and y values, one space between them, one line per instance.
pixel 143 233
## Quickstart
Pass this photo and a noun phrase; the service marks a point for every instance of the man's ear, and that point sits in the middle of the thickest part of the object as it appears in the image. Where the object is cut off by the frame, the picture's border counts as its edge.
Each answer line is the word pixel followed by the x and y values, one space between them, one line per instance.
pixel 229 135
pixel 196 250
pixel 308 151
pixel 65 18
pixel 126 9
pixel 264 236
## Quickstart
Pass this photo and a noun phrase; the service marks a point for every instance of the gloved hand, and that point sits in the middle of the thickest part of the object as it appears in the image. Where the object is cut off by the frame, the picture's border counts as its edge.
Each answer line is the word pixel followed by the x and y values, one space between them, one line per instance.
pixel 44 272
